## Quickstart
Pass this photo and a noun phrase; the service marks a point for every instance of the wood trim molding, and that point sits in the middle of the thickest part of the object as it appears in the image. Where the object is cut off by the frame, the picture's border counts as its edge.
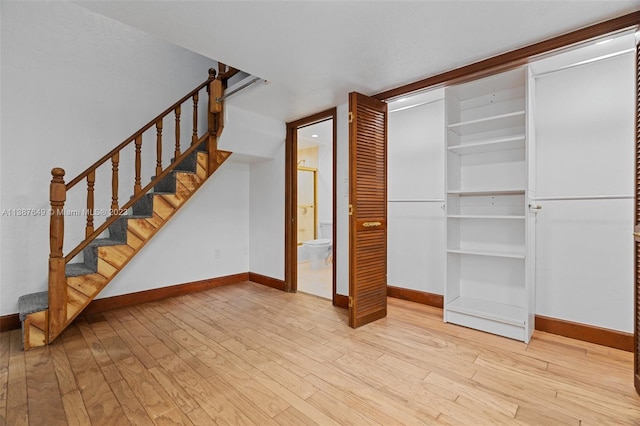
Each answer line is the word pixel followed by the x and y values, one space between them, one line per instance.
pixel 291 194
pixel 341 301
pixel 268 281
pixel 588 333
pixel 422 297
pixel 515 57
pixel 9 322
pixel 12 321
pixel 108 303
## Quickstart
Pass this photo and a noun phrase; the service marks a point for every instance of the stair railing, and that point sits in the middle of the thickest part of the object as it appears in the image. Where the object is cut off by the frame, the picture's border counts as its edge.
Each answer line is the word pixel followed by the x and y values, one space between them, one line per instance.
pixel 58 189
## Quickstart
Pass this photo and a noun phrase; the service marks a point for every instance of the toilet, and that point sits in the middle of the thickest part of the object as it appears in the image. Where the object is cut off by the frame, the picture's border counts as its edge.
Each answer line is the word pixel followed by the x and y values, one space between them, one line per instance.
pixel 320 249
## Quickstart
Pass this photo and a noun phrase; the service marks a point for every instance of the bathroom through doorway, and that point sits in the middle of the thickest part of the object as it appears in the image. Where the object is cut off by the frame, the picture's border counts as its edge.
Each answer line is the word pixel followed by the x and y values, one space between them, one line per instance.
pixel 310 234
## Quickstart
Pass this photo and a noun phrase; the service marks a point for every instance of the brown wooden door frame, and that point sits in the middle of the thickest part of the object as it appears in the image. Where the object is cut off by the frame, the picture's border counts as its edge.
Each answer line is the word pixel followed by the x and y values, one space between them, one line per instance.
pixel 636 234
pixel 291 197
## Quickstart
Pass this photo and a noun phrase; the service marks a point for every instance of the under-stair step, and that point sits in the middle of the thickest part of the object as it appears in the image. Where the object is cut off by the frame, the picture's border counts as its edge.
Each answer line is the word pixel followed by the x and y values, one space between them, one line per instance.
pixel 190 181
pixel 116 255
pixel 202 165
pixel 162 207
pixel 145 228
pixel 133 240
pixel 39 319
pixel 89 285
pixel 33 336
pixel 105 269
pixel 76 302
pixel 175 200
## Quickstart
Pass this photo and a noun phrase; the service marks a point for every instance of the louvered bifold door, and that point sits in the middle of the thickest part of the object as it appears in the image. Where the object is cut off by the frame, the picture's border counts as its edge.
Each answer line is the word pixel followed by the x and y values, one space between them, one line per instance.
pixel 368 205
pixel 636 234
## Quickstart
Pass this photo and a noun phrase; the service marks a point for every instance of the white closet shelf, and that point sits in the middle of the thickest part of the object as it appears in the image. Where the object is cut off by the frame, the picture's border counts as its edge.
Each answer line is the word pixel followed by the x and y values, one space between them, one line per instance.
pixel 508 314
pixel 514 191
pixel 502 121
pixel 511 254
pixel 485 216
pixel 489 145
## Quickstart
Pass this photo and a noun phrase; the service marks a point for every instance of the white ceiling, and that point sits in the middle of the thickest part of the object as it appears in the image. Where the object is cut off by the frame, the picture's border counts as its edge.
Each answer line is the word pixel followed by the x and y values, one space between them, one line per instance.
pixel 315 52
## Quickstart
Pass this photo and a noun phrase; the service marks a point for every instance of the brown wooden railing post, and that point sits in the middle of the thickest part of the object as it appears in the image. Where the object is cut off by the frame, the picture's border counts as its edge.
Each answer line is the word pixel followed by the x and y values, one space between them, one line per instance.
pixel 137 186
pixel 194 136
pixel 57 293
pixel 176 153
pixel 114 181
pixel 215 110
pixel 91 180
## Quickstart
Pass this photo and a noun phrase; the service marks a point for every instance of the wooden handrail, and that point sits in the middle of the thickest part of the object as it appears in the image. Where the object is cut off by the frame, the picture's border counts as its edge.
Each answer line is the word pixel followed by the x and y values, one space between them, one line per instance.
pixel 134 200
pixel 102 160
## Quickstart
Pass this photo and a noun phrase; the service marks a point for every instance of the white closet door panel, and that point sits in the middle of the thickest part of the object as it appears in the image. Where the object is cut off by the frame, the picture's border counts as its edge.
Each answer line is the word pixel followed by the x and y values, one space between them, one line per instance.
pixel 416 152
pixel 584 262
pixel 415 246
pixel 585 129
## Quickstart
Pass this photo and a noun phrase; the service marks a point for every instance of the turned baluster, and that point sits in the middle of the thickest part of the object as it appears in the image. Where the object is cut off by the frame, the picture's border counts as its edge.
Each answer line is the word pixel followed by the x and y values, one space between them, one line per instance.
pixel 57 293
pixel 159 147
pixel 137 187
pixel 91 180
pixel 114 181
pixel 176 153
pixel 215 109
pixel 194 137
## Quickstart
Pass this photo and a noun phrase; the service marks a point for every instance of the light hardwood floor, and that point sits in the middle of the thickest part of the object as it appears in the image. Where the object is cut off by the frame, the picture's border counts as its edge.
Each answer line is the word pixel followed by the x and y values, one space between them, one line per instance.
pixel 248 354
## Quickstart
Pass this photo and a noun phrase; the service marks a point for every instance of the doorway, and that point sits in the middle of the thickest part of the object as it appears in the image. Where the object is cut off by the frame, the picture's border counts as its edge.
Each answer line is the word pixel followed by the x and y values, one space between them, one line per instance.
pixel 311 205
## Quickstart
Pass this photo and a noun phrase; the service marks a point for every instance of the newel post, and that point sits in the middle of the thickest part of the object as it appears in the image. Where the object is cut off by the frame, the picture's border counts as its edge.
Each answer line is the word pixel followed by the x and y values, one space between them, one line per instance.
pixel 57 278
pixel 214 115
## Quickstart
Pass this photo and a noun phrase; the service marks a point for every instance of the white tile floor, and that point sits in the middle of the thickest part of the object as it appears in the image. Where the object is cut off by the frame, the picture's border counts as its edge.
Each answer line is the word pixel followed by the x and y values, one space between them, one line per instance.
pixel 317 282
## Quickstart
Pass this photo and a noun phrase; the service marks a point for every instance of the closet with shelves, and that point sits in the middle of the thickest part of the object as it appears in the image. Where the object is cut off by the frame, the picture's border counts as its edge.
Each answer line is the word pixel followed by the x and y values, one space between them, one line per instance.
pixel 487 216
pixel 539 167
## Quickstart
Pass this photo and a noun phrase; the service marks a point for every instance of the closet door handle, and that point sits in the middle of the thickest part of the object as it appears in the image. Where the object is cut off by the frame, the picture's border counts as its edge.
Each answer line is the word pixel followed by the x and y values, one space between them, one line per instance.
pixel 371 224
pixel 636 234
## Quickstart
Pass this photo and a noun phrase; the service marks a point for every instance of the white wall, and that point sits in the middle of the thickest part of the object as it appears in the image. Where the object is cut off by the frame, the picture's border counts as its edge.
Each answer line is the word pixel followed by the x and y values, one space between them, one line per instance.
pixel 208 238
pixel 250 134
pixel 266 221
pixel 325 184
pixel 74 85
pixel 416 231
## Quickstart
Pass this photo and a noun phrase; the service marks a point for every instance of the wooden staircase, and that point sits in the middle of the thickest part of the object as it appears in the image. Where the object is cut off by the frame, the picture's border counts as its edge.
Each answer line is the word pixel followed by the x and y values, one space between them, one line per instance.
pixel 72 286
